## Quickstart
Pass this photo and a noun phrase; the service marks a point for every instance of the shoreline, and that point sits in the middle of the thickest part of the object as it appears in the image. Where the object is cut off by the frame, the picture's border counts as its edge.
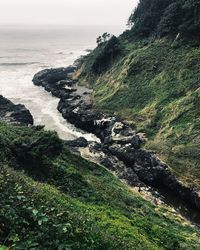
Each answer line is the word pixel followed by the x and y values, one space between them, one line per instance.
pixel 120 148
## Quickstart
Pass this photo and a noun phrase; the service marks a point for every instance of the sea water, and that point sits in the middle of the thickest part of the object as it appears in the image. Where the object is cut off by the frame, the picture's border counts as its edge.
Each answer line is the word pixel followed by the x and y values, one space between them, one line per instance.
pixel 25 50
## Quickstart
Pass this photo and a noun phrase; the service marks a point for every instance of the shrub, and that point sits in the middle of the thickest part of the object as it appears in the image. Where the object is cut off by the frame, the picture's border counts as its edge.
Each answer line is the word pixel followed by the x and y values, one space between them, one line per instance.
pixel 108 51
pixel 36 152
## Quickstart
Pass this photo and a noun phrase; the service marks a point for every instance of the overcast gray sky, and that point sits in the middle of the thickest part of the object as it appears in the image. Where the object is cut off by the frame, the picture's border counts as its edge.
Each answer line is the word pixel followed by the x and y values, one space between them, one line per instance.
pixel 72 12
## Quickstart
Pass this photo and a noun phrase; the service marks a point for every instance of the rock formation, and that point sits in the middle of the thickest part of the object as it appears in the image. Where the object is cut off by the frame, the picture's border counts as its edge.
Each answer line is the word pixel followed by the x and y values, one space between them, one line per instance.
pixel 12 113
pixel 120 144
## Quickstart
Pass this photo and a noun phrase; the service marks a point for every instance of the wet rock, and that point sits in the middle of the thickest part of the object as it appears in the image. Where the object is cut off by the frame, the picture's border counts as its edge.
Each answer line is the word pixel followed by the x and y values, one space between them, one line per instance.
pixel 57 81
pixel 12 113
pixel 51 76
pixel 79 143
pixel 120 145
pixel 112 163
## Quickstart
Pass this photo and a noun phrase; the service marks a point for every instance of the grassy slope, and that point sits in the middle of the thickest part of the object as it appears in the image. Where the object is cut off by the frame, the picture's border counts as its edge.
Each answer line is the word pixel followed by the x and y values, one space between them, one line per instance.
pixel 64 202
pixel 156 87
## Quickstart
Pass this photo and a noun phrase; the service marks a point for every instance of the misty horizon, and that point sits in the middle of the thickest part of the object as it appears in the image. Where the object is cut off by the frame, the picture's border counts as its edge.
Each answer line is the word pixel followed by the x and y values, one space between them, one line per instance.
pixel 66 12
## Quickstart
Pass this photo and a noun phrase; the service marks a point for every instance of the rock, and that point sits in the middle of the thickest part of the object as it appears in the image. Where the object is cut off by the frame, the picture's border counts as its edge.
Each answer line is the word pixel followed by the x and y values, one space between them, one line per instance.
pixel 52 76
pixel 64 83
pixel 142 137
pixel 12 113
pixel 124 173
pixel 120 145
pixel 57 81
pixel 79 143
pixel 115 165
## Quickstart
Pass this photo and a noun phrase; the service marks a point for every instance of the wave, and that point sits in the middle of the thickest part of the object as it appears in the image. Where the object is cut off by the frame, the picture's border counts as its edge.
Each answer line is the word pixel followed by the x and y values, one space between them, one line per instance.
pixel 18 64
pixel 28 50
pixel 5 57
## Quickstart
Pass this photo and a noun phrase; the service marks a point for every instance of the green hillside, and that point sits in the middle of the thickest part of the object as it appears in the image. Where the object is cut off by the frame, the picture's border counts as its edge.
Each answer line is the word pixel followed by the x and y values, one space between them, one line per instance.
pixel 52 199
pixel 154 83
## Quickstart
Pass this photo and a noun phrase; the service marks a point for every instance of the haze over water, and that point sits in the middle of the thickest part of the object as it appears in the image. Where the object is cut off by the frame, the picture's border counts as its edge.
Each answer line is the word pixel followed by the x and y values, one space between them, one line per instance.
pixel 25 50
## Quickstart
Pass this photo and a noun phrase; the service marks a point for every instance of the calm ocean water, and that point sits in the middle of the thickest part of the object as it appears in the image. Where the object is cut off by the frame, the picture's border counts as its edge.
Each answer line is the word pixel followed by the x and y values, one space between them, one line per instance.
pixel 26 50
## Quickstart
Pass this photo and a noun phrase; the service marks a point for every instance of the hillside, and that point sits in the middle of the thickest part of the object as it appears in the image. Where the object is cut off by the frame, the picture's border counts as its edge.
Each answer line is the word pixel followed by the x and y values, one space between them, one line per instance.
pixel 145 81
pixel 152 82
pixel 52 199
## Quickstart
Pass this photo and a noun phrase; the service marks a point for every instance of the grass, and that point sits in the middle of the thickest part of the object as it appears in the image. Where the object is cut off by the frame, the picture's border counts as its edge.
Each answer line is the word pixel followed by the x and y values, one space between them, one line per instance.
pixel 52 199
pixel 155 86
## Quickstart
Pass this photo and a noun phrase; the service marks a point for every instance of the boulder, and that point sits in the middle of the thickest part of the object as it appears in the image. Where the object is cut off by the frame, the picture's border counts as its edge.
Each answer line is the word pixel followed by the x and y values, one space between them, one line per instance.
pixel 51 76
pixel 12 113
pixel 80 142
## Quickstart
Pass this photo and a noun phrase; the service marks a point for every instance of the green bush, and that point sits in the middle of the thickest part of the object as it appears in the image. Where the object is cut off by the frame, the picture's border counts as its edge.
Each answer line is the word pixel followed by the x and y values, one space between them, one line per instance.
pixel 36 152
pixel 77 205
pixel 104 56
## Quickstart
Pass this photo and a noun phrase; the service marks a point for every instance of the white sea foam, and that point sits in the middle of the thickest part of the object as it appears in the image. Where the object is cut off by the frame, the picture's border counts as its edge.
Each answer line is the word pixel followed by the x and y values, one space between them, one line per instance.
pixel 34 51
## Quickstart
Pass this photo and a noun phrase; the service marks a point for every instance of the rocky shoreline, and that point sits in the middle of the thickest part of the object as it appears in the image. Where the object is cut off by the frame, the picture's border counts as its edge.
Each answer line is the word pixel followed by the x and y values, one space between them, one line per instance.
pixel 120 148
pixel 14 114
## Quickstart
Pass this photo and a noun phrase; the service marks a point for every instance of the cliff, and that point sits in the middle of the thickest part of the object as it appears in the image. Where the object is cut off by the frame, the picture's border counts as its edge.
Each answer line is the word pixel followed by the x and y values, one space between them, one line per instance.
pixel 145 81
pixel 153 84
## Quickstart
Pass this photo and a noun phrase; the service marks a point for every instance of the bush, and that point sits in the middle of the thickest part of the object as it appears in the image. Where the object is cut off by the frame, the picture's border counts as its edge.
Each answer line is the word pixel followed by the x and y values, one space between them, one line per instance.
pixel 108 51
pixel 35 153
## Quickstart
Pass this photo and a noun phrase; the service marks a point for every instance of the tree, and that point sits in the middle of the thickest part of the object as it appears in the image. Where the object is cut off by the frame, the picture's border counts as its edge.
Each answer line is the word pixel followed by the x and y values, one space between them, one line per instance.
pixel 99 40
pixel 107 53
pixel 166 18
pixel 191 19
pixel 147 15
pixel 104 38
pixel 171 19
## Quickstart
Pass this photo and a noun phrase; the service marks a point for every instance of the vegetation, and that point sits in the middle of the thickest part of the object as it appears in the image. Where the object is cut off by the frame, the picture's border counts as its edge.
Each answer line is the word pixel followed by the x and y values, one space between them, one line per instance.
pixel 169 17
pixel 154 83
pixel 52 199
pixel 104 38
pixel 155 87
pixel 105 54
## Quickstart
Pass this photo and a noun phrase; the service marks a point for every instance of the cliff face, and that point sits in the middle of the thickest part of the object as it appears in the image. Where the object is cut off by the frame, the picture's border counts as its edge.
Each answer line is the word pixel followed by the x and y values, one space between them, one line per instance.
pixel 155 86
pixel 153 81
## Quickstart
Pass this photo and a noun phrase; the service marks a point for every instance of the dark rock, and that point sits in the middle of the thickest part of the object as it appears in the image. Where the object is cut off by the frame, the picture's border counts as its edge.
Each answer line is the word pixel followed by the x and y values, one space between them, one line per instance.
pixel 121 142
pixel 120 145
pixel 52 75
pixel 124 173
pixel 57 81
pixel 112 163
pixel 80 142
pixel 12 113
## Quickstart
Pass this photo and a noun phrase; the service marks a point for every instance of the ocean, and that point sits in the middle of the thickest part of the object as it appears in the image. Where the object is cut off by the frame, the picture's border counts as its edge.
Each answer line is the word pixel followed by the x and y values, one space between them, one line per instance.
pixel 25 50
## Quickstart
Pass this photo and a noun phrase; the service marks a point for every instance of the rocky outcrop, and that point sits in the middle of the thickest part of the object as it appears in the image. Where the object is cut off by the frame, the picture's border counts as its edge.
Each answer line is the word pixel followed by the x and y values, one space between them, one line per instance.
pixel 80 142
pixel 56 81
pixel 15 114
pixel 121 146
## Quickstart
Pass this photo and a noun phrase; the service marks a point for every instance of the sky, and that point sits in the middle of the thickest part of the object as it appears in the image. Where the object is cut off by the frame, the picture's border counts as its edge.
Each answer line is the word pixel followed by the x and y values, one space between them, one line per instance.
pixel 66 12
